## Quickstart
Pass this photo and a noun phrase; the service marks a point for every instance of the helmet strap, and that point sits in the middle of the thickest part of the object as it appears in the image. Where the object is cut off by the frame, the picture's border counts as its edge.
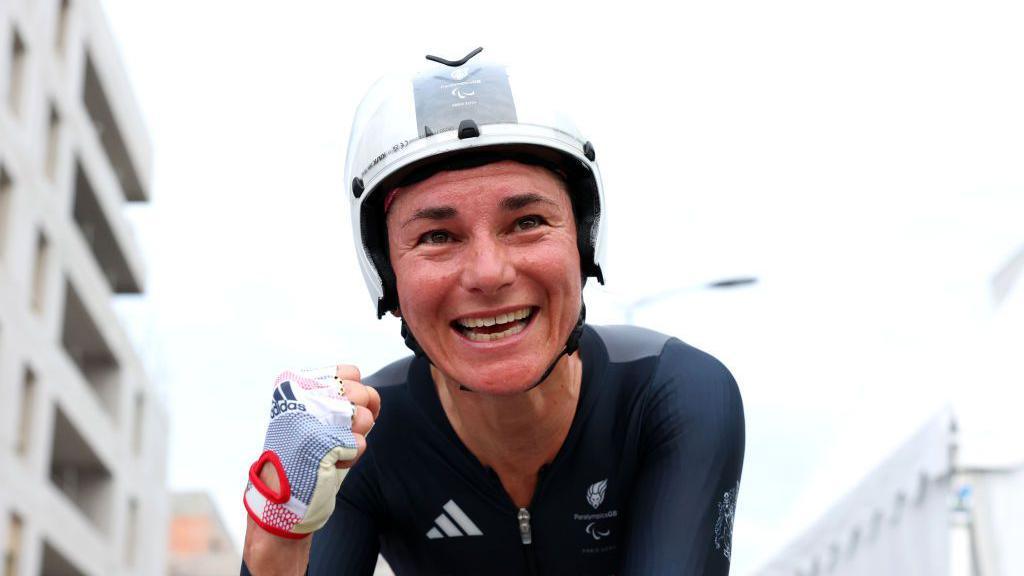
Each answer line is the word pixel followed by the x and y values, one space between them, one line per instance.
pixel 572 344
pixel 411 343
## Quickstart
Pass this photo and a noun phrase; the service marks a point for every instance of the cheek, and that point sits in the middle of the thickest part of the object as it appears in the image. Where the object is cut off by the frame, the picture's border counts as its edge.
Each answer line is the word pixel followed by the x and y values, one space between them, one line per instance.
pixel 557 262
pixel 421 288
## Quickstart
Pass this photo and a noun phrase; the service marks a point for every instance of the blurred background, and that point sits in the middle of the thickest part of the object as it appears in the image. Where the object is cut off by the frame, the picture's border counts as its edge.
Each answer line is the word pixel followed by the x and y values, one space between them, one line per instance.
pixel 829 197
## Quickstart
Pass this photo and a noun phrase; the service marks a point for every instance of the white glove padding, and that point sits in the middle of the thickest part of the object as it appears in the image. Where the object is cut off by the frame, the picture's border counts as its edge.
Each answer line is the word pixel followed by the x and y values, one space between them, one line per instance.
pixel 310 430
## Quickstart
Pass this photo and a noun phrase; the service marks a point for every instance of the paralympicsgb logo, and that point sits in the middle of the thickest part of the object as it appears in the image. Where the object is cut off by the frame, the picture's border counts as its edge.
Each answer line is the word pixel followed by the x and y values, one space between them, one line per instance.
pixel 285 400
pixel 595 493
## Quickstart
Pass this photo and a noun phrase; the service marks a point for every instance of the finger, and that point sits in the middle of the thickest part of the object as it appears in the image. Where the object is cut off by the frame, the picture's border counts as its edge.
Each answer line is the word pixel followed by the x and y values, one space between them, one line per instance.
pixel 362 395
pixel 347 372
pixel 373 402
pixel 362 421
pixel 360 448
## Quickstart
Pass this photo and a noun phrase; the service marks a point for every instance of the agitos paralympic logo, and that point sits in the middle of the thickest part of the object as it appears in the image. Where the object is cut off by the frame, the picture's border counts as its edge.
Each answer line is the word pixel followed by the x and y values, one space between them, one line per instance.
pixel 285 400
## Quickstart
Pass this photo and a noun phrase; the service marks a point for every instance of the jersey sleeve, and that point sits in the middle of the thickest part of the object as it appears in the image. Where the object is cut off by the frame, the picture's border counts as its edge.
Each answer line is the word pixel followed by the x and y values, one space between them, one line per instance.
pixel 691 456
pixel 349 543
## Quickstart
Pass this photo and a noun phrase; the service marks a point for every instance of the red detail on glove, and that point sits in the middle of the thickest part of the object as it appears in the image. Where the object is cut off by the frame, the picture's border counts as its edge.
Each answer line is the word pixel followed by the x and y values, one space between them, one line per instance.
pixel 254 476
pixel 272 529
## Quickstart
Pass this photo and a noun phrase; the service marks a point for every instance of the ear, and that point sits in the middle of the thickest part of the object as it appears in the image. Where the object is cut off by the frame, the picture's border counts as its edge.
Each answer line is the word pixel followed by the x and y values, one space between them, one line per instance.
pixel 397 312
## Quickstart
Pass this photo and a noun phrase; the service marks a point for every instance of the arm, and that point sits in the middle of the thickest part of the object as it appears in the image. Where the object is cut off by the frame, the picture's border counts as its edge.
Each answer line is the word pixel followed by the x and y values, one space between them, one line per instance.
pixel 272 554
pixel 347 544
pixel 314 434
pixel 685 493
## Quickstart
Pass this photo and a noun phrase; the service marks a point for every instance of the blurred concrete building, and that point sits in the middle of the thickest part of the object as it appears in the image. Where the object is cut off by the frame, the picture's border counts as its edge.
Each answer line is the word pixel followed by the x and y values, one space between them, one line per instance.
pixel 199 541
pixel 82 431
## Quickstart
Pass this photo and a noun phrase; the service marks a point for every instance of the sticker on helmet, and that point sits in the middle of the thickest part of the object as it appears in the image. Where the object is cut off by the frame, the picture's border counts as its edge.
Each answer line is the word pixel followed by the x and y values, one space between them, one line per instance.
pixel 469 92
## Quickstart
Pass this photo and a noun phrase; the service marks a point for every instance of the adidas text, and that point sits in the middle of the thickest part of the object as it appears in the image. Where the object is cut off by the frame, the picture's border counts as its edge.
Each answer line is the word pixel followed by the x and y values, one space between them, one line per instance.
pixel 282 407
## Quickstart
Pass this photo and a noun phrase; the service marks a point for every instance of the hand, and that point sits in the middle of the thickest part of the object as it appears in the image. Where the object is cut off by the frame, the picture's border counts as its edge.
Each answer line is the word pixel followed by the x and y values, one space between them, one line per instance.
pixel 318 423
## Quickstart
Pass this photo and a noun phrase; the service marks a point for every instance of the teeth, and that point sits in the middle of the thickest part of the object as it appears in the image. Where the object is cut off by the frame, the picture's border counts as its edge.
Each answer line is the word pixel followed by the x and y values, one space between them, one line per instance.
pixel 499 319
pixel 496 336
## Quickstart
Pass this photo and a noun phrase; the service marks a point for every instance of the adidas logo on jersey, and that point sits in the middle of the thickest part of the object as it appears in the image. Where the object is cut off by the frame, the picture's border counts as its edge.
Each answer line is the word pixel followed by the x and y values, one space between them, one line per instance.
pixel 453 524
pixel 284 400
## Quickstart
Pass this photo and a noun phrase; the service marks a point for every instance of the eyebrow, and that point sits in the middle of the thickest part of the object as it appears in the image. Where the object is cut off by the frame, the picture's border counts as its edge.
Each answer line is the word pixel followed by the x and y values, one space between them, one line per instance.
pixel 513 203
pixel 510 204
pixel 432 213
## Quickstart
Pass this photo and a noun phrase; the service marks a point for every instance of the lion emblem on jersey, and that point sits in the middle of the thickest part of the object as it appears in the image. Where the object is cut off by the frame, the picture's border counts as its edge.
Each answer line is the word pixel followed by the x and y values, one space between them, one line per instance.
pixel 726 517
pixel 595 494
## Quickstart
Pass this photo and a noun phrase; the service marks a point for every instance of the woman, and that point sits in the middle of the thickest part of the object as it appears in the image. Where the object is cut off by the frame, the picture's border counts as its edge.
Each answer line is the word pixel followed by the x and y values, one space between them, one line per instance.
pixel 517 440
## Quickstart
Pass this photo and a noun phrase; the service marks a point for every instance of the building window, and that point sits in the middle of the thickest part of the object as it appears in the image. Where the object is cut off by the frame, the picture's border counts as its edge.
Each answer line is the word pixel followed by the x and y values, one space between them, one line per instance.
pixel 88 349
pixel 12 552
pixel 6 186
pixel 140 408
pixel 56 563
pixel 27 402
pixel 39 272
pixel 77 471
pixel 52 143
pixel 131 530
pixel 16 85
pixel 99 236
pixel 102 115
pixel 62 26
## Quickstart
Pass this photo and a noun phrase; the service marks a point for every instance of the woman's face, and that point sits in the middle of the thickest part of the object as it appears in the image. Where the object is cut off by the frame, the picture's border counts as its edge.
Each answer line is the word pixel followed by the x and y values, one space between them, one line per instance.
pixel 488 272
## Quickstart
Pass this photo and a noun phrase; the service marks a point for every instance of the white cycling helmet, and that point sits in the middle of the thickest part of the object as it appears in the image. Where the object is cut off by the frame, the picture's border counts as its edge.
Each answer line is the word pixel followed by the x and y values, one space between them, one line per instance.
pixel 450 115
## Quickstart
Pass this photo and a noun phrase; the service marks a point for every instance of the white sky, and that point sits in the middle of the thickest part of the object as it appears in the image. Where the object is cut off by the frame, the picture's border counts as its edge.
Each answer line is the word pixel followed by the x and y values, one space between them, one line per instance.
pixel 863 159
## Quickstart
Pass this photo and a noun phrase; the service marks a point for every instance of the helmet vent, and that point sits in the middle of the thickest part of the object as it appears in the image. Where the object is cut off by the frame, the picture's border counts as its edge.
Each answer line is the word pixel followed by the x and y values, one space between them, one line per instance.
pixel 588 151
pixel 468 129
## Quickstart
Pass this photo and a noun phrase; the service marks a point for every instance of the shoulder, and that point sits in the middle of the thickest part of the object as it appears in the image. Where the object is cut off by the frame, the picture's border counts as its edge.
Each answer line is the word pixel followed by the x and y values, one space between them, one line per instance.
pixel 683 388
pixel 401 385
pixel 697 386
pixel 672 358
pixel 394 374
pixel 630 343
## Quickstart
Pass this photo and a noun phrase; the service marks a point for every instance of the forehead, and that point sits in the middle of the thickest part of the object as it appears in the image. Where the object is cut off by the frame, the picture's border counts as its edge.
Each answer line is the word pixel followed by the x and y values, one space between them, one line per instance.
pixel 480 185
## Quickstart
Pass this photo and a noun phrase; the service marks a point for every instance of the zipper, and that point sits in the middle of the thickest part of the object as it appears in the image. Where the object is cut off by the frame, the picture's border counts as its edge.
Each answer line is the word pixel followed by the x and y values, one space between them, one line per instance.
pixel 525 533
pixel 525 530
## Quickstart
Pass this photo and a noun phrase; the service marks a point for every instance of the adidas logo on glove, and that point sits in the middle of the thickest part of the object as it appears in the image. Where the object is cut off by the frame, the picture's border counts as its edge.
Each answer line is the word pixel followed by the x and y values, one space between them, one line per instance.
pixel 284 400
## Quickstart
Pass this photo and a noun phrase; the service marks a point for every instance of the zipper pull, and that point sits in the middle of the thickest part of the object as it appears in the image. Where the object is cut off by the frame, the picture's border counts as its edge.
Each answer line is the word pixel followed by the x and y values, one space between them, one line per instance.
pixel 524 526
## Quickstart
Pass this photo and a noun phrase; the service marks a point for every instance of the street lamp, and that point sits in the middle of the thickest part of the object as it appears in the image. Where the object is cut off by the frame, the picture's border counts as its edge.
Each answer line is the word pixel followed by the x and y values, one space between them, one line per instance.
pixel 725 283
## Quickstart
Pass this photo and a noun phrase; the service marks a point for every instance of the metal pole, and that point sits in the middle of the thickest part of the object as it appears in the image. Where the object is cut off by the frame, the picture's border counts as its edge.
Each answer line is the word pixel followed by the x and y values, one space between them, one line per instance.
pixel 724 283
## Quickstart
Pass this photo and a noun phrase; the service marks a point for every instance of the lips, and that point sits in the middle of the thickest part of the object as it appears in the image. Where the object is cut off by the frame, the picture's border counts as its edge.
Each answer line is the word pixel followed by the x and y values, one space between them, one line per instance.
pixel 496 327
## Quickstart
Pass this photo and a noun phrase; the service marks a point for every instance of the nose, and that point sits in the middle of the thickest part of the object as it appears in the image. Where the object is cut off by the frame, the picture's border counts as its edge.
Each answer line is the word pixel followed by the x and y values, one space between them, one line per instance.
pixel 488 267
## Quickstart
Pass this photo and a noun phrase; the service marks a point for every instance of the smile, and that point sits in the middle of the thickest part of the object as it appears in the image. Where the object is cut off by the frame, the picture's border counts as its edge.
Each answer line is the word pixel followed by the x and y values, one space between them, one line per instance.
pixel 491 328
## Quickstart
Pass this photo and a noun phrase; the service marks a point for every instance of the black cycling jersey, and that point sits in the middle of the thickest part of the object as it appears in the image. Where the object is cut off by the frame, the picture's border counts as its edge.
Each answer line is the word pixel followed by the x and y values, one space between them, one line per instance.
pixel 645 482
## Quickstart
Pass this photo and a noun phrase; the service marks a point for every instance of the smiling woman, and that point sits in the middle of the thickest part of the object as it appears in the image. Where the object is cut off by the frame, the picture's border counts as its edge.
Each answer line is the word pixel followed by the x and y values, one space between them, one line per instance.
pixel 497 241
pixel 517 439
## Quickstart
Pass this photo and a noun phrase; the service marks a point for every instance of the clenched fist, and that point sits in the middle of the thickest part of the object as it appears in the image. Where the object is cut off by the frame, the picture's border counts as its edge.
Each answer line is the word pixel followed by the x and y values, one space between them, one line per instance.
pixel 318 425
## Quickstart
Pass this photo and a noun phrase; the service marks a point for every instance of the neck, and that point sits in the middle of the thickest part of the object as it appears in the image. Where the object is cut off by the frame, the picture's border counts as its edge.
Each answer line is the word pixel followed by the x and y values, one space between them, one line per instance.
pixel 515 434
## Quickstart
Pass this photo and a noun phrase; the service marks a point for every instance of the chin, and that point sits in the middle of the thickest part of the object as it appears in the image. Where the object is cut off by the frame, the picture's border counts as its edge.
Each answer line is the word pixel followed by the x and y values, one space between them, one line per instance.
pixel 499 388
pixel 498 382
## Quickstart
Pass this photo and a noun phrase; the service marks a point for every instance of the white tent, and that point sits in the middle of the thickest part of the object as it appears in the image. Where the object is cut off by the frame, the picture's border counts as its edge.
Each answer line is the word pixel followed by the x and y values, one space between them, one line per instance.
pixel 950 501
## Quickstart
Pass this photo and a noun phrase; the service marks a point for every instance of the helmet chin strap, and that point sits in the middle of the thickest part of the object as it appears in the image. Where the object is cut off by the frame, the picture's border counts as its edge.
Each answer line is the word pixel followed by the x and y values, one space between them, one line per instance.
pixel 572 343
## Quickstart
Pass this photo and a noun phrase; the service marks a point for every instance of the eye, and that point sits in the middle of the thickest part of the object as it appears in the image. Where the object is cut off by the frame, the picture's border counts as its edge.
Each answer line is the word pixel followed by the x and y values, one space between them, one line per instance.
pixel 529 222
pixel 435 237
